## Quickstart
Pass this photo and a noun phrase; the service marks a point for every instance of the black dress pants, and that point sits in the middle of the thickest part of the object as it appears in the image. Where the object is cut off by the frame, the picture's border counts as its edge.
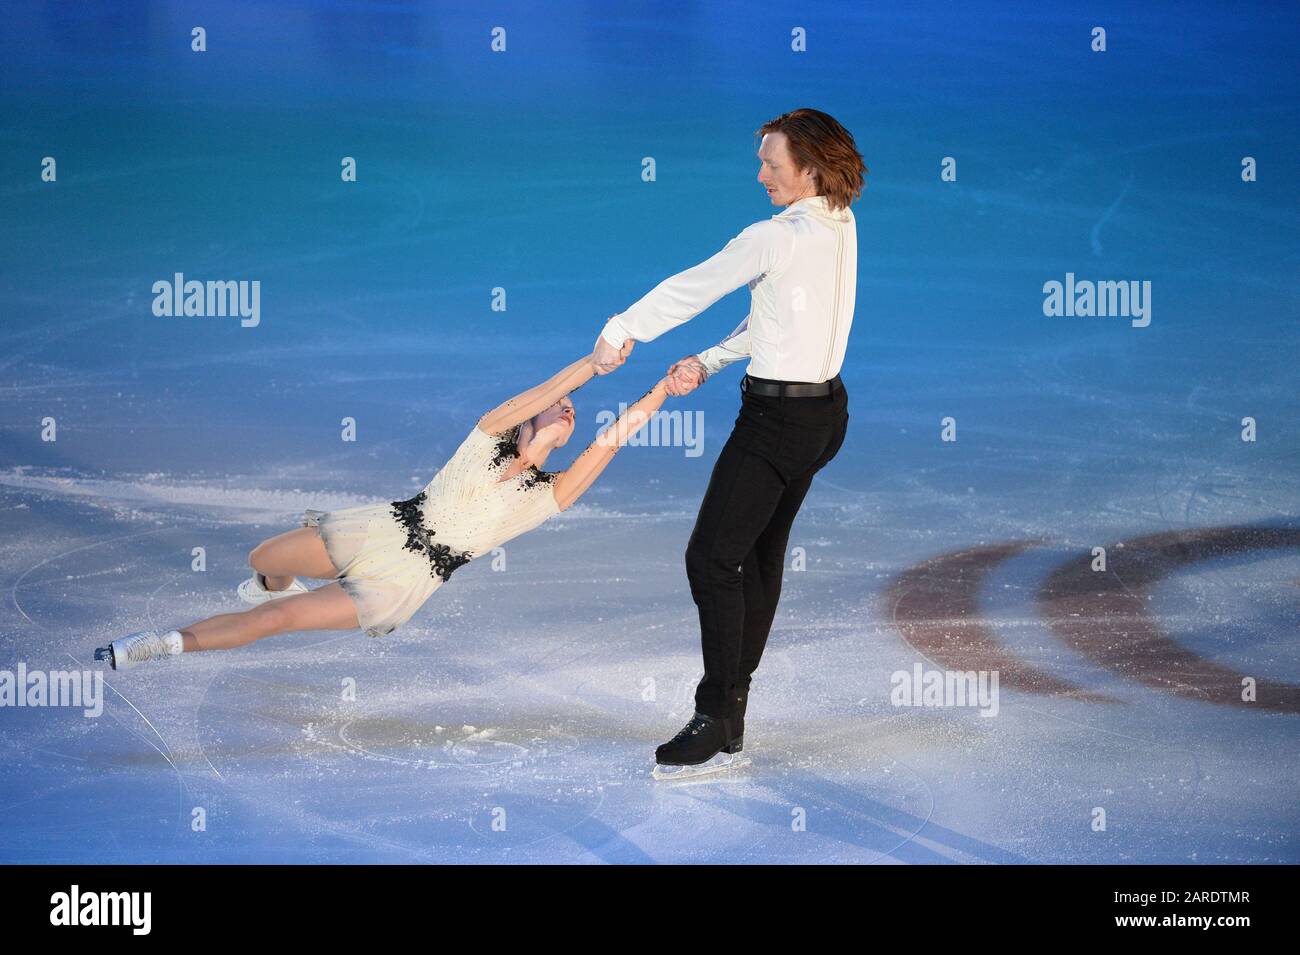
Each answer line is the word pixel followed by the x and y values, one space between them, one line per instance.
pixel 736 553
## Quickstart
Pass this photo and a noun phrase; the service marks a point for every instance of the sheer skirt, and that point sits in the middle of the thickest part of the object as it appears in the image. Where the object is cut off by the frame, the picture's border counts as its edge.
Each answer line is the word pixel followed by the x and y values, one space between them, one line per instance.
pixel 387 582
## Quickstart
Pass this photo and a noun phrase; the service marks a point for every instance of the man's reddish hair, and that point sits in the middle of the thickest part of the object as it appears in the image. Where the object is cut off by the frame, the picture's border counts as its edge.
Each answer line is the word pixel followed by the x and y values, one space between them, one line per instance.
pixel 818 142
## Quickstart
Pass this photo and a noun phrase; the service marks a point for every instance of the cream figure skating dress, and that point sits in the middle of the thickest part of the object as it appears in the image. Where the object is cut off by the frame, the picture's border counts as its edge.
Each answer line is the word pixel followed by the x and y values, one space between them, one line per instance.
pixel 393 556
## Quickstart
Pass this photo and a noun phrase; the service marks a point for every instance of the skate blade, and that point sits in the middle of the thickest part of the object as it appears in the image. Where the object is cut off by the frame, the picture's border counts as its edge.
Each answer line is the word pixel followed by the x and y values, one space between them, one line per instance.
pixel 720 763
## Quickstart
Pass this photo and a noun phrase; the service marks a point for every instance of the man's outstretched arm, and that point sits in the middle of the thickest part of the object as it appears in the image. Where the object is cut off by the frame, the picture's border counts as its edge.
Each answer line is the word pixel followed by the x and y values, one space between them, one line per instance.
pixel 759 248
pixel 731 349
pixel 687 374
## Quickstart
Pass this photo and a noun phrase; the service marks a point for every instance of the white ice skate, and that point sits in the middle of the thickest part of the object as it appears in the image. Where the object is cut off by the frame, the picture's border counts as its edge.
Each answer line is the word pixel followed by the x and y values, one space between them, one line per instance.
pixel 126 652
pixel 720 763
pixel 251 591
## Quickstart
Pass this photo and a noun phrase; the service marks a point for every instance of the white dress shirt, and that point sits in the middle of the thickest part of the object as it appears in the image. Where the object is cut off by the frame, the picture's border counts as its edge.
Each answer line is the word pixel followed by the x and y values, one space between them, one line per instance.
pixel 801 266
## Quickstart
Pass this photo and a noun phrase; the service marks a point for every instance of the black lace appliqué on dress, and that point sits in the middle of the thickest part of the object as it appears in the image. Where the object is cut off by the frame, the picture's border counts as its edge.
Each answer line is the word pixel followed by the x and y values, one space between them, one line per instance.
pixel 507 448
pixel 419 539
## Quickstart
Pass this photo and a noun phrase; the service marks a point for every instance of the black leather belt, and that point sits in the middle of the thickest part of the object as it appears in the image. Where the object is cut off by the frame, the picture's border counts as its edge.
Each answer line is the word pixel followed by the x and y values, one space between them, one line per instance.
pixel 790 389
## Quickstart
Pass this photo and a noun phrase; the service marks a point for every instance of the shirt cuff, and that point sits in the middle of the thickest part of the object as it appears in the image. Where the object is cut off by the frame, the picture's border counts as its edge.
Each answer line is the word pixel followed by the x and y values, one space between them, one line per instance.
pixel 615 333
pixel 709 361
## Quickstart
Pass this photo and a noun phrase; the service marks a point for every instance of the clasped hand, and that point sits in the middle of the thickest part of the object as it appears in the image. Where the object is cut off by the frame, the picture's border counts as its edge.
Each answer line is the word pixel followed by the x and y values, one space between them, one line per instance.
pixel 684 375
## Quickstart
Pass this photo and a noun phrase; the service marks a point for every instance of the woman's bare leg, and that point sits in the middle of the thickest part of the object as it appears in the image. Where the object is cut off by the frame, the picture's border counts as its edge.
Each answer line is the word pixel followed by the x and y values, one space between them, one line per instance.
pixel 299 552
pixel 326 608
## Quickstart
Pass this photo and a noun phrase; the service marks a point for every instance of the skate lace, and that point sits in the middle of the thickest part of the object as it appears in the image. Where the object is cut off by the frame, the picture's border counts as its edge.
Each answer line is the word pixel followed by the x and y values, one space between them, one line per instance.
pixel 143 649
pixel 690 729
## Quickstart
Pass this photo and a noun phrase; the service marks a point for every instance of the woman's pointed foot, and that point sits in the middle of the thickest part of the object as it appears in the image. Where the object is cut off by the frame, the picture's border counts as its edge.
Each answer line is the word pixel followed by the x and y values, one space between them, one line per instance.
pixel 126 652
pixel 253 590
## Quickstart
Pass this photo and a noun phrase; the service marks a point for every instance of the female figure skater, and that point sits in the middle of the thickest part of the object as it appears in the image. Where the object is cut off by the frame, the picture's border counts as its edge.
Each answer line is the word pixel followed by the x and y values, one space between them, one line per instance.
pixel 387 559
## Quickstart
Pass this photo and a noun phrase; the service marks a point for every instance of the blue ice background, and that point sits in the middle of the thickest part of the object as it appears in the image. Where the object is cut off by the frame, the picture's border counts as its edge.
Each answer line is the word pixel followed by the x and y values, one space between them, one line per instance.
pixel 522 171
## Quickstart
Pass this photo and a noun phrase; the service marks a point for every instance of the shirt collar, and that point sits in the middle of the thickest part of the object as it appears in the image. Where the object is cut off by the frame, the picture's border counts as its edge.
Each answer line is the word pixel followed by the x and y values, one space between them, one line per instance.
pixel 816 205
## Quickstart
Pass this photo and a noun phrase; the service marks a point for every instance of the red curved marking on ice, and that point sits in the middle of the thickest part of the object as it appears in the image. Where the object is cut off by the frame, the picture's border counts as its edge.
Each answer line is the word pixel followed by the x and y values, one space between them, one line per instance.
pixel 936 609
pixel 1103 615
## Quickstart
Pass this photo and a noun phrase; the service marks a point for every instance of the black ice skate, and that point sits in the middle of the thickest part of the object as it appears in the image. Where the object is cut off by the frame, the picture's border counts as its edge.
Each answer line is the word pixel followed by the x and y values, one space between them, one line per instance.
pixel 738 725
pixel 704 745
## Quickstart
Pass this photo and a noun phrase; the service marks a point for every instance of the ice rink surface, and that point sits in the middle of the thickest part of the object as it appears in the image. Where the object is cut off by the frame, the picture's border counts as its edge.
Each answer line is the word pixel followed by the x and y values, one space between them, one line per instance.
pixel 515 717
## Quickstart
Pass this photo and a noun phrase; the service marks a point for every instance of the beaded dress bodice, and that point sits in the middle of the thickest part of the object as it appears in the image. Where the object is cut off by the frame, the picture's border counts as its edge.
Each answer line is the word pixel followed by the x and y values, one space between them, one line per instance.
pixel 466 511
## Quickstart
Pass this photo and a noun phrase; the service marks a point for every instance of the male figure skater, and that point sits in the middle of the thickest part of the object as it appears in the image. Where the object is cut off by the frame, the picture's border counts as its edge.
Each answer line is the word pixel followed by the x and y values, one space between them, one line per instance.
pixel 801 268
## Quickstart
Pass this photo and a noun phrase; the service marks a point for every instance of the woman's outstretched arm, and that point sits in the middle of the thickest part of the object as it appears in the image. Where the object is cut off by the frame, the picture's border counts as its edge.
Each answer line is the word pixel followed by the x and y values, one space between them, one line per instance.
pixel 571 484
pixel 537 399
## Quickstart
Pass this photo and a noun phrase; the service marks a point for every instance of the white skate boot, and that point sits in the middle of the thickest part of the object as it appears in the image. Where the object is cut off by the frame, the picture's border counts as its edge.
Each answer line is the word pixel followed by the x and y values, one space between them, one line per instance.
pixel 253 591
pixel 138 648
